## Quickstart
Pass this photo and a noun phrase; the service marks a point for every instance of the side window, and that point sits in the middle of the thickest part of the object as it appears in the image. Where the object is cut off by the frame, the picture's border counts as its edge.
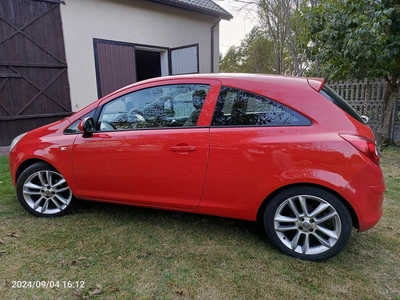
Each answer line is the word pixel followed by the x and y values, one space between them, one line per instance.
pixel 162 106
pixel 240 108
pixel 73 128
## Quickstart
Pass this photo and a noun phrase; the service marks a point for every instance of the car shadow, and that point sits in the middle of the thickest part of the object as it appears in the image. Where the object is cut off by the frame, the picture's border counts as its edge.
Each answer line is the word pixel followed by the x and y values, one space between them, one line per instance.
pixel 190 222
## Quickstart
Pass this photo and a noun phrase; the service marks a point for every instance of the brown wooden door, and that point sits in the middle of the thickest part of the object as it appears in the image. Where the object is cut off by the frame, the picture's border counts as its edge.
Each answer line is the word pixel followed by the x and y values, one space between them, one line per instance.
pixel 115 65
pixel 34 88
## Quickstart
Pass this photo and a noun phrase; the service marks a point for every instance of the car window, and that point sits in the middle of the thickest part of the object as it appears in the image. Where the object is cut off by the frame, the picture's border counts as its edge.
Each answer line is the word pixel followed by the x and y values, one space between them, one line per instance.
pixel 73 128
pixel 162 106
pixel 241 108
pixel 336 99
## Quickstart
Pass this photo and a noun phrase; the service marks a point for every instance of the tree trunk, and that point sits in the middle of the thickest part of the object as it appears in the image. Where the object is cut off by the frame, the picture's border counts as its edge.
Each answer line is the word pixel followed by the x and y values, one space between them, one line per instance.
pixel 389 103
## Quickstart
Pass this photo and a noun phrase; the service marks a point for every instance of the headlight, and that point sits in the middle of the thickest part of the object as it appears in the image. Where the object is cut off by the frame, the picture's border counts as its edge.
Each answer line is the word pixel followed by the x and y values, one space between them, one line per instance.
pixel 16 140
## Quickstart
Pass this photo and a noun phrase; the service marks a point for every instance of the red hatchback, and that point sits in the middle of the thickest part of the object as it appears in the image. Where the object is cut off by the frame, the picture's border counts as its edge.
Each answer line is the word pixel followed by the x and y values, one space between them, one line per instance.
pixel 288 152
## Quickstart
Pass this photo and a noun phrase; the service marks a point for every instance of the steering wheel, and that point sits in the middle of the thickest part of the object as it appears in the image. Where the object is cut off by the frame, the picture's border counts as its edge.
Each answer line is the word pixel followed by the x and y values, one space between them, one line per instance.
pixel 139 115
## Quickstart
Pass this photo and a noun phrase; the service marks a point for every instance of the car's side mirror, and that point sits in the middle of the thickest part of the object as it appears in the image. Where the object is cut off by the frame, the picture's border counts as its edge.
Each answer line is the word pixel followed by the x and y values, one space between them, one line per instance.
pixel 87 126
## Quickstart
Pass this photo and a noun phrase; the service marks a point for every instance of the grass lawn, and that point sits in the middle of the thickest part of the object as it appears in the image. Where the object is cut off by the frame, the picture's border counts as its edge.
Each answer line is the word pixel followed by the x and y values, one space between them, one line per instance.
pixel 116 252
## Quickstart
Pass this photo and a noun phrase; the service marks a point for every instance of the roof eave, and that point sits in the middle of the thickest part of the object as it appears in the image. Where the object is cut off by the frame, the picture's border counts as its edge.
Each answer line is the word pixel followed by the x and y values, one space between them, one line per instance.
pixel 225 16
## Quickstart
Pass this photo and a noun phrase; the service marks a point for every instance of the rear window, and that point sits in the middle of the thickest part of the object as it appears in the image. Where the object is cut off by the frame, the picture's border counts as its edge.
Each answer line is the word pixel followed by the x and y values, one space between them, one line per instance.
pixel 240 108
pixel 335 98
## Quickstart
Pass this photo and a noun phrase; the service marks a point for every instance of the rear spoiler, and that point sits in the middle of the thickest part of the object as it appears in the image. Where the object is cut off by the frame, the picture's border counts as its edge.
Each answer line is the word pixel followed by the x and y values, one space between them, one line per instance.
pixel 316 83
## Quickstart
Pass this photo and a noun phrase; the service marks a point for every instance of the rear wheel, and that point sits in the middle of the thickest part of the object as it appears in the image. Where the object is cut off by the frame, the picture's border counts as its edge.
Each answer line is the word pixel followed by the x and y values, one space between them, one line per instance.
pixel 308 223
pixel 44 192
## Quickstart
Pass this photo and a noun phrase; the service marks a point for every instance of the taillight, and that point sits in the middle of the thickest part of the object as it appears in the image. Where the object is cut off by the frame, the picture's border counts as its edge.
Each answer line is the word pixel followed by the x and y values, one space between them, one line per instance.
pixel 365 145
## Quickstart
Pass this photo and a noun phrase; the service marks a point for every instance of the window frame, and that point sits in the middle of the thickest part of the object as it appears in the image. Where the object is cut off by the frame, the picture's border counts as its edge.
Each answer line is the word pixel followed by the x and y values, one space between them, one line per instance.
pixel 193 87
pixel 303 120
pixel 69 129
pixel 331 95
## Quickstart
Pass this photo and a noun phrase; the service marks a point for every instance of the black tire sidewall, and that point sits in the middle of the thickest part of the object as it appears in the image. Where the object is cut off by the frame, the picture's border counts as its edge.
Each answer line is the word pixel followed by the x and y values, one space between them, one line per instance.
pixel 36 167
pixel 335 202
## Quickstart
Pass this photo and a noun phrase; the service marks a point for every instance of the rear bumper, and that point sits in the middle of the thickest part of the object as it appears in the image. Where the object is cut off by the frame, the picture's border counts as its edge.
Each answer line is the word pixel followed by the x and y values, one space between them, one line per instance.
pixel 365 194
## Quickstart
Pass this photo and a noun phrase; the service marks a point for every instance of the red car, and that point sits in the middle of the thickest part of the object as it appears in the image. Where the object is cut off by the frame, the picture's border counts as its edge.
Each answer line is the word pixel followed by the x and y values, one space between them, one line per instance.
pixel 286 151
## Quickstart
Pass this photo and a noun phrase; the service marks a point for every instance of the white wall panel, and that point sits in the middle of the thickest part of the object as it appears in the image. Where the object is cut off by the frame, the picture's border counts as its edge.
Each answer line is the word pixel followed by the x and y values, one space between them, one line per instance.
pixel 184 60
pixel 130 21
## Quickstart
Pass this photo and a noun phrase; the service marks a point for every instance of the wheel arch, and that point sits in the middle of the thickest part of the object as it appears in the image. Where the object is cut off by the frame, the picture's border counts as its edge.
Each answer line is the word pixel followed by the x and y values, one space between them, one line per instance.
pixel 27 163
pixel 260 212
pixel 43 195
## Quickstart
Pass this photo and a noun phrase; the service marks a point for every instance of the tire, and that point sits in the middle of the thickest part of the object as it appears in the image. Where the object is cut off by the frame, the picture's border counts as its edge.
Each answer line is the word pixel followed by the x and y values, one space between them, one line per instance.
pixel 43 191
pixel 308 223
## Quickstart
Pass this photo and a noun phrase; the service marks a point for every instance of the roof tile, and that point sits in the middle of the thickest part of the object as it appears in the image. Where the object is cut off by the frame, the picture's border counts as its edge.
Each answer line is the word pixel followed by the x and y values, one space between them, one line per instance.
pixel 207 7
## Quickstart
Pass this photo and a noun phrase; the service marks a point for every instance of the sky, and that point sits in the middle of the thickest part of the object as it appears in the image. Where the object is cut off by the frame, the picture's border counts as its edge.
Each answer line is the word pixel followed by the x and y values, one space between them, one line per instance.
pixel 232 32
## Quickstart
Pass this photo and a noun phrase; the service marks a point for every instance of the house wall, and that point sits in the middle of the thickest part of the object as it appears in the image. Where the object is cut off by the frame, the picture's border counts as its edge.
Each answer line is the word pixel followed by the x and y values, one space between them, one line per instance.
pixel 131 21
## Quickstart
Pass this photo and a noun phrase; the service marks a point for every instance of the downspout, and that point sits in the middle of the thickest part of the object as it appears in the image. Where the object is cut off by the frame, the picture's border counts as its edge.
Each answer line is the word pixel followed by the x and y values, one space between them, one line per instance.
pixel 212 44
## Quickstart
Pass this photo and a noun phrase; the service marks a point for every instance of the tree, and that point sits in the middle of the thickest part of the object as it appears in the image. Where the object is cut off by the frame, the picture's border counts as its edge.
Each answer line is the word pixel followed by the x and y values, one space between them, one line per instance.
pixel 280 23
pixel 359 39
pixel 259 54
pixel 232 61
pixel 254 55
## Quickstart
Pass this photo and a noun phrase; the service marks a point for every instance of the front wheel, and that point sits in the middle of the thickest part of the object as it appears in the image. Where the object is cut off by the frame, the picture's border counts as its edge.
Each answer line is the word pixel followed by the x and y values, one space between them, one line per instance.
pixel 308 223
pixel 44 192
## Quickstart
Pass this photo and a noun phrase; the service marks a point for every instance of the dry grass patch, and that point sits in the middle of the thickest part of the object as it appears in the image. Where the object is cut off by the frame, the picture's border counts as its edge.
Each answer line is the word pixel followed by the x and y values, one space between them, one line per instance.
pixel 133 253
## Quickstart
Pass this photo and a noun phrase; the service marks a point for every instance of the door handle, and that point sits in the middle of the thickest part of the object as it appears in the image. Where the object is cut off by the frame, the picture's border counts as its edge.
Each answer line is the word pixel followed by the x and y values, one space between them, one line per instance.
pixel 183 148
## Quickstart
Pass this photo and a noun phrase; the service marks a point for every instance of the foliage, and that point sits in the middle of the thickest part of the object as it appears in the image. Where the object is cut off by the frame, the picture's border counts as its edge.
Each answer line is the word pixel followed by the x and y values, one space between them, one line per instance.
pixel 232 61
pixel 345 39
pixel 357 39
pixel 254 55
pixel 280 21
pixel 270 47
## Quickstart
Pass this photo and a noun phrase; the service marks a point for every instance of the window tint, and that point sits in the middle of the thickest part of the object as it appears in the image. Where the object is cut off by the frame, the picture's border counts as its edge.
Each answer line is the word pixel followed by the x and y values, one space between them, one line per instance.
pixel 163 106
pixel 241 108
pixel 73 128
pixel 335 98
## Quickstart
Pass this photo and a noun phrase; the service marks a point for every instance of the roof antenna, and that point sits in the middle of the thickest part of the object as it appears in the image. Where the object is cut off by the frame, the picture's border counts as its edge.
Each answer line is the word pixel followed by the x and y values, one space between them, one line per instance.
pixel 301 73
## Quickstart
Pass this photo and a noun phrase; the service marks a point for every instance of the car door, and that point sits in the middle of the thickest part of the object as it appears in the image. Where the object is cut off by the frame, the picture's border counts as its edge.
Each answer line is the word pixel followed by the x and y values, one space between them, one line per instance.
pixel 144 151
pixel 252 142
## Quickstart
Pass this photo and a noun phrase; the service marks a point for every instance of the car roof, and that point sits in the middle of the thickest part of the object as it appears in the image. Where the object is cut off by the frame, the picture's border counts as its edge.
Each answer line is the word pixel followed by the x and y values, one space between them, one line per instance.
pixel 240 78
pixel 234 80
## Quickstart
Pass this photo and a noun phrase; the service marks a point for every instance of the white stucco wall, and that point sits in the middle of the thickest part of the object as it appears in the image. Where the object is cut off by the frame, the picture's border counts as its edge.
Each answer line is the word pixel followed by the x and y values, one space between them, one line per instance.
pixel 132 21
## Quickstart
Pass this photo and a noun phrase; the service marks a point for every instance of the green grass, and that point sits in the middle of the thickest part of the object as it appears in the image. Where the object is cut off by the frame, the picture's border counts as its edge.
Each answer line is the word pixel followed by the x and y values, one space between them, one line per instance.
pixel 133 253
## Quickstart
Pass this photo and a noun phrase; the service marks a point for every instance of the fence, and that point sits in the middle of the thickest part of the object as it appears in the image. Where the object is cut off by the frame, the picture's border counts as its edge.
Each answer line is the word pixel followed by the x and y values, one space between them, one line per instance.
pixel 367 98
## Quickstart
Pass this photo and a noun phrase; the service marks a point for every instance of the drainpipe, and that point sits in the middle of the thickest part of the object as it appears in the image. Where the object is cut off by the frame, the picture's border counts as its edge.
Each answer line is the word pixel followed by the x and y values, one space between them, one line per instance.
pixel 212 44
